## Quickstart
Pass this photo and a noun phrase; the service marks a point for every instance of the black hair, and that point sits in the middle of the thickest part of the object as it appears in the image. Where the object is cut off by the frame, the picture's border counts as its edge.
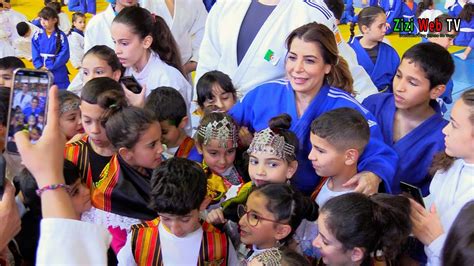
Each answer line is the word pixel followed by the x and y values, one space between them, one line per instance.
pixel 434 60
pixel 290 257
pixel 26 183
pixel 345 128
pixel 75 16
pixel 208 81
pixel 467 12
pixel 107 54
pixel 377 222
pixel 103 91
pixel 49 12
pixel 422 6
pixel 288 205
pixel 54 5
pixel 281 125
pixel 125 126
pixel 22 28
pixel 336 7
pixel 459 245
pixel 143 23
pixel 11 62
pixel 178 186
pixel 167 104
pixel 366 17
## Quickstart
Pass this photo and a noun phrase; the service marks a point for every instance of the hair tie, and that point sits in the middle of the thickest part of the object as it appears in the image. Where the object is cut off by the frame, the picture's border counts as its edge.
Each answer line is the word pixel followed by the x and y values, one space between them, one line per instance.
pixel 153 17
pixel 113 106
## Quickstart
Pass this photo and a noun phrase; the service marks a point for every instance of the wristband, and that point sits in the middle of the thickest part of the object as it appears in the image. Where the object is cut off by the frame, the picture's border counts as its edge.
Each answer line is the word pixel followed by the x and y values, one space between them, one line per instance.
pixel 52 187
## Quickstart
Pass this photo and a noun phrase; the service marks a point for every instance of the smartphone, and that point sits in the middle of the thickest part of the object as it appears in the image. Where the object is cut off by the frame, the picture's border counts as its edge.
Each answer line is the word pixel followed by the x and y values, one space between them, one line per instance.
pixel 3 166
pixel 131 84
pixel 413 192
pixel 28 104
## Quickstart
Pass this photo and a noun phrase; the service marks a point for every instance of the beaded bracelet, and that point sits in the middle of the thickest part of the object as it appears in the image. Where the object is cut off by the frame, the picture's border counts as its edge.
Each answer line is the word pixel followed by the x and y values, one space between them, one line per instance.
pixel 51 187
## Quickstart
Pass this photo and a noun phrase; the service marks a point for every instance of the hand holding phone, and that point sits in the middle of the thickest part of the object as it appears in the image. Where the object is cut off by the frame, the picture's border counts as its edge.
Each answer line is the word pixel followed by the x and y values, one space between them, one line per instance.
pixel 131 84
pixel 413 192
pixel 28 105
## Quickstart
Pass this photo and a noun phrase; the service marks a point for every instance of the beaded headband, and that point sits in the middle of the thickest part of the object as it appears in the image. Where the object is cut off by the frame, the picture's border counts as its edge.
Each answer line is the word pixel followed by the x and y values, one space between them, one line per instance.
pixel 270 257
pixel 222 130
pixel 268 142
pixel 69 106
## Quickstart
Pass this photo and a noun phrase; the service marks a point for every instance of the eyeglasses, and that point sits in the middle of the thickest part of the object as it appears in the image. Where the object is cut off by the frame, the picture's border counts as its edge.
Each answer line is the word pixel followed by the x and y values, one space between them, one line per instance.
pixel 252 217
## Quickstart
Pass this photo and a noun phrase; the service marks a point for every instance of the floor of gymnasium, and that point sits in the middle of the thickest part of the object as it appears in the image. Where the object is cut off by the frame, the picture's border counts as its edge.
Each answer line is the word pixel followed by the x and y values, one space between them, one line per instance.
pixel 463 76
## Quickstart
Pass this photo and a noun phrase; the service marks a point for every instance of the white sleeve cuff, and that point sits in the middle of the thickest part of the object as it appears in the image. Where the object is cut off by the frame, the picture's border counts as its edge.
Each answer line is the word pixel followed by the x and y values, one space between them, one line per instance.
pixel 72 242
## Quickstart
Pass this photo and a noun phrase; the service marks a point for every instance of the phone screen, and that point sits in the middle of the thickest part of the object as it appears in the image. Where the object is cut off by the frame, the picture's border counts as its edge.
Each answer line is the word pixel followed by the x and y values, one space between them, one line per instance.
pixel 28 105
pixel 3 165
pixel 412 192
pixel 131 84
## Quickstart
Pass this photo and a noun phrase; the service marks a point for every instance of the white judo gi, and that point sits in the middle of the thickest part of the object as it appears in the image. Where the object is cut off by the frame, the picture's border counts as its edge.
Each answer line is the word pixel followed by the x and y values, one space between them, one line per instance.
pixel 187 24
pixel 98 30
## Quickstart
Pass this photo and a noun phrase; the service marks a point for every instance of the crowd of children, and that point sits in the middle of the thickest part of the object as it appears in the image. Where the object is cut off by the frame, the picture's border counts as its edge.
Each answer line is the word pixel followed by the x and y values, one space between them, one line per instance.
pixel 277 156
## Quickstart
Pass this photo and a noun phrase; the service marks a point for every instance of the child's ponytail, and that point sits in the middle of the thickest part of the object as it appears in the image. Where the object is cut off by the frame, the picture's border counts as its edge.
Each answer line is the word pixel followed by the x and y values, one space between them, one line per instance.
pixel 391 216
pixel 105 92
pixel 379 222
pixel 144 24
pixel 352 30
pixel 112 103
pixel 75 16
pixel 124 125
pixel 288 205
pixel 164 43
pixel 281 125
pixel 467 12
pixel 49 12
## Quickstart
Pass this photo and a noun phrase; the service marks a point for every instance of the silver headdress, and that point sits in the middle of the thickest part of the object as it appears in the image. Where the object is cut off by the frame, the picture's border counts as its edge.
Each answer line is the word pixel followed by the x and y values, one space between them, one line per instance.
pixel 268 142
pixel 222 130
pixel 270 257
pixel 69 105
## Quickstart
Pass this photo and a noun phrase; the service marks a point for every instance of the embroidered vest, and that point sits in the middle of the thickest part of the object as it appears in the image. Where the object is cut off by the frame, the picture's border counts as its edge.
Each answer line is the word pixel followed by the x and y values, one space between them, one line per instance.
pixel 78 153
pixel 146 246
pixel 185 148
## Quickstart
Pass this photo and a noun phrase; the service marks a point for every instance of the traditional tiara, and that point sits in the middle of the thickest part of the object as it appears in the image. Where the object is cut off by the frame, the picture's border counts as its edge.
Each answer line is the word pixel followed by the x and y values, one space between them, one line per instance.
pixel 68 106
pixel 270 257
pixel 222 130
pixel 268 142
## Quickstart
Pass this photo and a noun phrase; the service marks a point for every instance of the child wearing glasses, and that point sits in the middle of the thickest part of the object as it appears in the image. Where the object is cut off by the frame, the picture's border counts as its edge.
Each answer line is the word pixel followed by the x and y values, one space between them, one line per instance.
pixel 177 236
pixel 271 215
